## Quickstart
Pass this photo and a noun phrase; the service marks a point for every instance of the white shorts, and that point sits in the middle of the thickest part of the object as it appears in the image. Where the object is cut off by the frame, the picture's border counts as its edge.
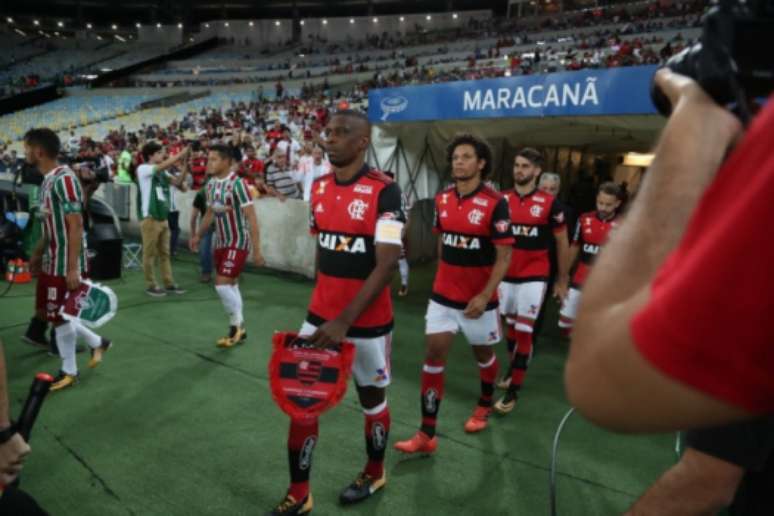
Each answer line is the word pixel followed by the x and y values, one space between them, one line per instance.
pixel 521 301
pixel 569 308
pixel 371 367
pixel 484 331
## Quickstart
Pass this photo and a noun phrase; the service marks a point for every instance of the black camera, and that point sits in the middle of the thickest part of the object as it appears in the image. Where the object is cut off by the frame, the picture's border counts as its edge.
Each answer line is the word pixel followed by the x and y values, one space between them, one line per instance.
pixel 733 61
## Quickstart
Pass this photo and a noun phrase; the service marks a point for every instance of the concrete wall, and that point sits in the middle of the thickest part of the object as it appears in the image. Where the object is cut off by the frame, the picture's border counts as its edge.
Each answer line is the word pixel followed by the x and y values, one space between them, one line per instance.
pixel 285 240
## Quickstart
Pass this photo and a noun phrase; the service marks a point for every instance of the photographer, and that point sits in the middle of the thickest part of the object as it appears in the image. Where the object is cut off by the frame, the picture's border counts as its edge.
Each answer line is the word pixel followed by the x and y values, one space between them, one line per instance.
pixel 13 452
pixel 674 328
pixel 13 449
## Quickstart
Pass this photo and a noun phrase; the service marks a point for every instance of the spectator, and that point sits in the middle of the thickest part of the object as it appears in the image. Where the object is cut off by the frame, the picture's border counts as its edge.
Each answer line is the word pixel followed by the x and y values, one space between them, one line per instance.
pixel 279 180
pixel 251 167
pixel 310 169
pixel 124 166
pixel 198 167
pixel 153 207
pixel 290 147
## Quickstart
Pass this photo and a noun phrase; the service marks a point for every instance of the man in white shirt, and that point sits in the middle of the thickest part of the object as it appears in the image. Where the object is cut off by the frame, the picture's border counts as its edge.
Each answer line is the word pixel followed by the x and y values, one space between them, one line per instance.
pixel 290 147
pixel 312 169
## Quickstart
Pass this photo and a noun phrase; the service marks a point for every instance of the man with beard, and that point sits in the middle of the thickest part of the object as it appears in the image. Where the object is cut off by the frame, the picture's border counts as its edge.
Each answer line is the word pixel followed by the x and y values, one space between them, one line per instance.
pixel 474 251
pixel 59 257
pixel 355 213
pixel 535 216
pixel 591 233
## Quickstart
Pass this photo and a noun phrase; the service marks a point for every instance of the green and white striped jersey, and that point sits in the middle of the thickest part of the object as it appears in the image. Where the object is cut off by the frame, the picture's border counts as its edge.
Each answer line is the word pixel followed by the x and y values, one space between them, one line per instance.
pixel 60 195
pixel 226 197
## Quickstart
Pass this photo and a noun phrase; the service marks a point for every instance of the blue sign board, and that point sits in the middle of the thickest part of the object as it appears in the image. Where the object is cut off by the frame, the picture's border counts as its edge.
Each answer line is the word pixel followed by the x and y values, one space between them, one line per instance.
pixel 614 91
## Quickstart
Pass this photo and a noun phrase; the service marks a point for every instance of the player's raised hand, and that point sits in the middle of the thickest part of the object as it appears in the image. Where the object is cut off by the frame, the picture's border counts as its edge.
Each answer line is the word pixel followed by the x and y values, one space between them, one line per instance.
pixel 476 307
pixel 329 334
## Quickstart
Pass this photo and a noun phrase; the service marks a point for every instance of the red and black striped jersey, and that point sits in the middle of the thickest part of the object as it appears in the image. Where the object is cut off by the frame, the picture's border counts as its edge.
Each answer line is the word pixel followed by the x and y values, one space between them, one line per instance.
pixel 470 227
pixel 591 233
pixel 534 217
pixel 343 217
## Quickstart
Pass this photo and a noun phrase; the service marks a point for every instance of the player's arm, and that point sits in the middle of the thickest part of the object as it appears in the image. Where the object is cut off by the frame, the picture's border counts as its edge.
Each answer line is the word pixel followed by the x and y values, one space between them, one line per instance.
pixel 606 376
pixel 74 223
pixel 387 245
pixel 246 205
pixel 205 224
pixel 575 245
pixel 500 230
pixel 477 306
pixel 14 450
pixel 563 262
pixel 70 194
pixel 36 257
pixel 192 222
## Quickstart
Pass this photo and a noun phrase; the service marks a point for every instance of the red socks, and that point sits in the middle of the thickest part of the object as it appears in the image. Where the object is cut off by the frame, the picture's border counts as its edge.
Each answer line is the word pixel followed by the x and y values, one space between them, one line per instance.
pixel 377 429
pixel 520 358
pixel 432 394
pixel 488 373
pixel 302 439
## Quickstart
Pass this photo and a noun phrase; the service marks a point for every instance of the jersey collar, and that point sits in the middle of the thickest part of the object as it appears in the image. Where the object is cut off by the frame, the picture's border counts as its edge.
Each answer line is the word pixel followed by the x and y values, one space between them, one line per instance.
pixel 470 194
pixel 54 171
pixel 611 219
pixel 360 173
pixel 530 194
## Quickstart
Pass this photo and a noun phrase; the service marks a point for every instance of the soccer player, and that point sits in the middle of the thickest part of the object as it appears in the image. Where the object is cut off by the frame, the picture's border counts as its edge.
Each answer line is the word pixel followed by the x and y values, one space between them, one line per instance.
pixel 230 203
pixel 60 253
pixel 475 250
pixel 591 232
pixel 357 219
pixel 535 216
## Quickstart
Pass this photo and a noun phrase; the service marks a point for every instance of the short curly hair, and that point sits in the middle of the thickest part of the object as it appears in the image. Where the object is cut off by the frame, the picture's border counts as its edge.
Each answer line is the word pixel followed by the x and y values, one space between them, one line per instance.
pixel 480 146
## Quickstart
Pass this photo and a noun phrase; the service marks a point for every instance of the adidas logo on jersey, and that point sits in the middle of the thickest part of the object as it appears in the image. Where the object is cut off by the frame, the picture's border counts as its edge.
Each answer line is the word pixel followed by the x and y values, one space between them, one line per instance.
pixel 524 231
pixel 590 248
pixel 340 243
pixel 461 242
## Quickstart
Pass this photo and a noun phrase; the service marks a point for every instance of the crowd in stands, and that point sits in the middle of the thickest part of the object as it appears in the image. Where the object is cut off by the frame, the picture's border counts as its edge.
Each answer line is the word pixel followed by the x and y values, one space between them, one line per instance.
pixel 625 37
pixel 277 145
pixel 389 56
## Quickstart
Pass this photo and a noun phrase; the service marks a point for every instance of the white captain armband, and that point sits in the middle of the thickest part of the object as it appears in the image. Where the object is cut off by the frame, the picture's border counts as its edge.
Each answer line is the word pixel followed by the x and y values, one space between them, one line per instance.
pixel 388 231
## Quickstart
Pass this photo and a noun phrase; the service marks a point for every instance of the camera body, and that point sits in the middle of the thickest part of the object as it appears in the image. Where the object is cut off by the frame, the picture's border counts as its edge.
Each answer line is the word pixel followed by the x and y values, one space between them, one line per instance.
pixel 732 62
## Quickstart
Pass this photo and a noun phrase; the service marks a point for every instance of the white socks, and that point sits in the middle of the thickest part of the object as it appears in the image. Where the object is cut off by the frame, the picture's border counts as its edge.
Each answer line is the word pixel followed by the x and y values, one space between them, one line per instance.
pixel 65 343
pixel 403 267
pixel 237 319
pixel 92 339
pixel 231 298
